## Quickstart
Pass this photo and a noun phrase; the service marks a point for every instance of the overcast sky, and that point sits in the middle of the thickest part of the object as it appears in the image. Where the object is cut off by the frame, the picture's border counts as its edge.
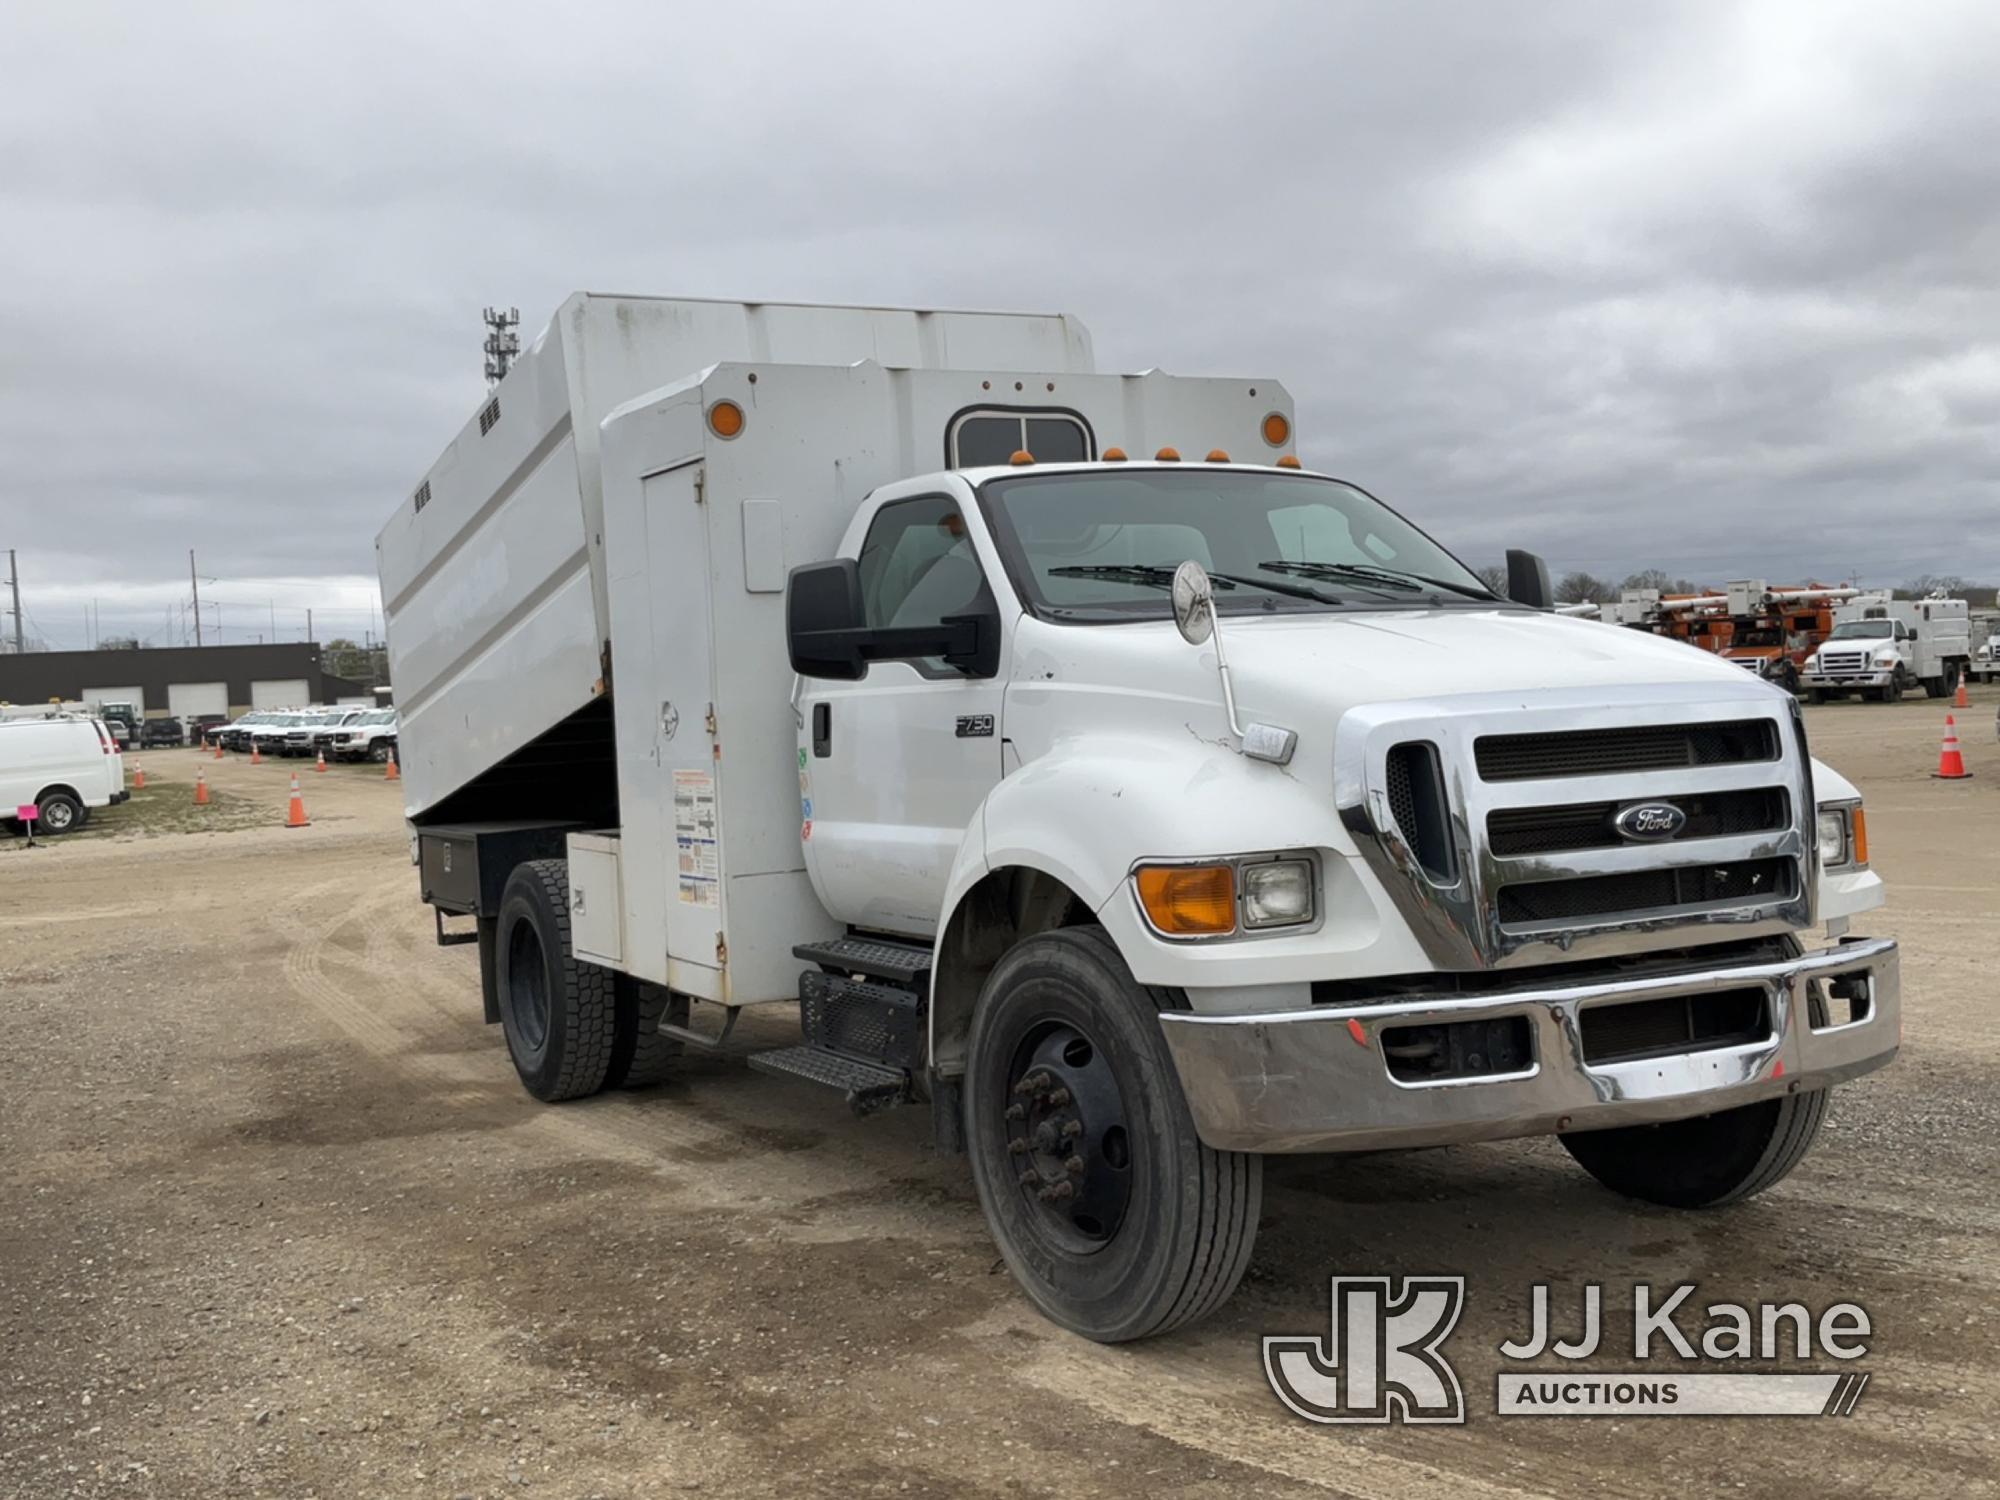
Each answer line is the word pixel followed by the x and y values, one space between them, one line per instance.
pixel 1709 288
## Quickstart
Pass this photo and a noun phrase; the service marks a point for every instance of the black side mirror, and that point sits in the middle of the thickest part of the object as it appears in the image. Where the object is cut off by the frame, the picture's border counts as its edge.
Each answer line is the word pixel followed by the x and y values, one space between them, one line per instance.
pixel 823 618
pixel 1528 580
pixel 827 634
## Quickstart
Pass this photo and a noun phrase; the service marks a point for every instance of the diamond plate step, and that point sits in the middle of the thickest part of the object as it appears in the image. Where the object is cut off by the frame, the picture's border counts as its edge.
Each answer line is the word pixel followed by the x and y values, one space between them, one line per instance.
pixel 879 958
pixel 868 1086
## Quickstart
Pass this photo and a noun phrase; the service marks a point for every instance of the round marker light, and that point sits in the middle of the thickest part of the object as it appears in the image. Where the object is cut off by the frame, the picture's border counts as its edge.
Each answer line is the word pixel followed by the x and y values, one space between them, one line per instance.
pixel 1277 429
pixel 1114 455
pixel 725 419
pixel 1022 458
pixel 1168 456
pixel 1217 456
pixel 1289 461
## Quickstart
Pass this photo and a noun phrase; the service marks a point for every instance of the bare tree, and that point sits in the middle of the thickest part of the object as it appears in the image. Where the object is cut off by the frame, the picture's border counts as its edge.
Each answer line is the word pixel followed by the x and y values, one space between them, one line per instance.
pixel 1650 578
pixel 1494 576
pixel 1583 588
pixel 1950 584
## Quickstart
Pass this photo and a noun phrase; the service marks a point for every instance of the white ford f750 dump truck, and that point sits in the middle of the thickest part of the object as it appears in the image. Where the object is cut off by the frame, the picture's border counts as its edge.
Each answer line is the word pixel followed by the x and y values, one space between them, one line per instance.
pixel 1082 766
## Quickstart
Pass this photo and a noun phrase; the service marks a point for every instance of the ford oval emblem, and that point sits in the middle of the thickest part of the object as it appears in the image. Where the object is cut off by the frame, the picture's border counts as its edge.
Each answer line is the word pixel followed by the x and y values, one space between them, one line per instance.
pixel 1647 822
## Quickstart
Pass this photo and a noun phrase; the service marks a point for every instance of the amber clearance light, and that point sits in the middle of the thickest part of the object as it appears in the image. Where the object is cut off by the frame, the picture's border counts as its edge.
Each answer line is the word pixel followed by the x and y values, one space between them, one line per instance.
pixel 1277 429
pixel 725 419
pixel 1189 900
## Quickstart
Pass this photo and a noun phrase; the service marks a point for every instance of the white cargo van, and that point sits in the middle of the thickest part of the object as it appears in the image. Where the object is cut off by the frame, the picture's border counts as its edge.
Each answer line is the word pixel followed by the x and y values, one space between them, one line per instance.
pixel 63 764
pixel 1083 766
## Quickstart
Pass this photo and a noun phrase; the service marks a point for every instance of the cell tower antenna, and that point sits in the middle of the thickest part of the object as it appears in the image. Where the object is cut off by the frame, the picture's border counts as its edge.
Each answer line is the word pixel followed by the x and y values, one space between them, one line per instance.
pixel 503 344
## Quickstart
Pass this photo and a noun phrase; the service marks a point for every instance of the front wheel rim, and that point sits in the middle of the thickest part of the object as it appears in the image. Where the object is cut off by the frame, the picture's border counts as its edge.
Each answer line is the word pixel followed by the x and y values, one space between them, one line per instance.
pixel 1066 1140
pixel 59 816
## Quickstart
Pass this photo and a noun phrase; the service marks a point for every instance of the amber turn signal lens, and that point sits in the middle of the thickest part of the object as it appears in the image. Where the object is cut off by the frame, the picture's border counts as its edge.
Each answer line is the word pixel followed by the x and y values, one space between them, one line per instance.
pixel 1860 850
pixel 1277 429
pixel 1189 900
pixel 725 419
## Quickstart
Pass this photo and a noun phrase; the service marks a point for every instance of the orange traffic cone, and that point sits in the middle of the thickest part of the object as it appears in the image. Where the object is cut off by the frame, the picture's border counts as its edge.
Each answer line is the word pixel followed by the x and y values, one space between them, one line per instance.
pixel 1964 699
pixel 1951 765
pixel 389 772
pixel 138 777
pixel 218 749
pixel 200 787
pixel 322 762
pixel 296 816
pixel 255 758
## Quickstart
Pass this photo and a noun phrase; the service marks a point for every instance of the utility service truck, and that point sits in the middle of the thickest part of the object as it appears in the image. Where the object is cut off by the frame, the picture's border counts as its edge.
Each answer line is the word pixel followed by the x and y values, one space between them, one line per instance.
pixel 1881 646
pixel 1086 769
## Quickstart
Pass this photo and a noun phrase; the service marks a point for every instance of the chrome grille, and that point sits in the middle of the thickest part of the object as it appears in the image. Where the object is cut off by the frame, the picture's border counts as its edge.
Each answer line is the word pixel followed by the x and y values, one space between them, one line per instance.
pixel 1595 752
pixel 1843 661
pixel 1515 831
pixel 1535 870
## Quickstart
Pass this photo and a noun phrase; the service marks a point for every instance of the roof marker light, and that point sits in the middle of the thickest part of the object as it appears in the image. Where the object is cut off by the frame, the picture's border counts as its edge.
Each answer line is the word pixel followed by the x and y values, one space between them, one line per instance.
pixel 1289 461
pixel 1217 456
pixel 1114 455
pixel 1022 458
pixel 1168 456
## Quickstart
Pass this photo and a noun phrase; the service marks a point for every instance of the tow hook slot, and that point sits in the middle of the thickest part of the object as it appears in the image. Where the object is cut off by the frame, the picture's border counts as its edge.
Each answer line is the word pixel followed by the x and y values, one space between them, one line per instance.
pixel 1458 1049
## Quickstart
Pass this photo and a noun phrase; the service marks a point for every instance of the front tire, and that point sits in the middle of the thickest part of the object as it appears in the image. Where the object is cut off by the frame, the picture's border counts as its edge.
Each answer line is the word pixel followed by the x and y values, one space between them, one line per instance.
pixel 1702 1162
pixel 559 1015
pixel 1113 1216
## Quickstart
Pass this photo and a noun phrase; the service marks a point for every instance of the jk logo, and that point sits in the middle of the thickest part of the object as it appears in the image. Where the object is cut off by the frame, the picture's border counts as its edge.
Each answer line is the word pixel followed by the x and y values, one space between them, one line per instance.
pixel 1380 1361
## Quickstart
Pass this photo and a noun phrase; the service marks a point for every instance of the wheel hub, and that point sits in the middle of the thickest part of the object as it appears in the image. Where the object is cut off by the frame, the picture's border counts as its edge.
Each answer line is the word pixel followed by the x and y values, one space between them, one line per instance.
pixel 1066 1134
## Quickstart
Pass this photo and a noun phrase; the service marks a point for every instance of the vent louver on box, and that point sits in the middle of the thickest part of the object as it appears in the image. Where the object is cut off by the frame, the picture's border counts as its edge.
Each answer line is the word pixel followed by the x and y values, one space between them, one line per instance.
pixel 489 416
pixel 423 495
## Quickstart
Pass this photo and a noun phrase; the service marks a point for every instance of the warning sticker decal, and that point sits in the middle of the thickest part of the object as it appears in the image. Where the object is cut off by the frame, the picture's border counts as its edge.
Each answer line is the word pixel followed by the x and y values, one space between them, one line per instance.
pixel 694 838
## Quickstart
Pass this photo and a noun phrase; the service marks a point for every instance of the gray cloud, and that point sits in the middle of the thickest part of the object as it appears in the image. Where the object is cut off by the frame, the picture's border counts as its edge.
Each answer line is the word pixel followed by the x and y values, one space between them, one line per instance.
pixel 1702 287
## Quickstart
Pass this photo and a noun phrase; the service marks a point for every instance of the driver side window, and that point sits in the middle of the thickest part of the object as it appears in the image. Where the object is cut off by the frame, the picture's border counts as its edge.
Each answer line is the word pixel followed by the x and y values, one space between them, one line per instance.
pixel 917 567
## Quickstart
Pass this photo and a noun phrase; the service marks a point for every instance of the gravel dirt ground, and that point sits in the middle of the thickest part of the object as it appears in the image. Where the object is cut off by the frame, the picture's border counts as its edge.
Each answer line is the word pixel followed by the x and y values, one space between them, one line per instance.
pixel 277 1220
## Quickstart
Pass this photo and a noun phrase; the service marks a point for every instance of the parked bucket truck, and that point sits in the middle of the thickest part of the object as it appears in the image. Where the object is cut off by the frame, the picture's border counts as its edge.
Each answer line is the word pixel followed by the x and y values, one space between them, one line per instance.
pixel 1086 770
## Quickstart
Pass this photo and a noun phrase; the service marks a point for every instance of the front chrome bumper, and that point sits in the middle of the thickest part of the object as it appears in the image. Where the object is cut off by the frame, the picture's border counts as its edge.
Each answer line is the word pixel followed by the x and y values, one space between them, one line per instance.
pixel 1318 1079
pixel 1848 679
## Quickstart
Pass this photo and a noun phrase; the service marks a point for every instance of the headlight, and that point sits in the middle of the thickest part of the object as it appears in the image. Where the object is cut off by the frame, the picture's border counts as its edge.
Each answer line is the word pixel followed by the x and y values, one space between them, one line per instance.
pixel 1223 897
pixel 1843 836
pixel 1278 894
pixel 1885 661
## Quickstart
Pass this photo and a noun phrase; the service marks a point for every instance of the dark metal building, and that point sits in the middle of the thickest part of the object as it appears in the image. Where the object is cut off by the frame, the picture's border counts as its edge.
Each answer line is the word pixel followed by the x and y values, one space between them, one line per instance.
pixel 181 680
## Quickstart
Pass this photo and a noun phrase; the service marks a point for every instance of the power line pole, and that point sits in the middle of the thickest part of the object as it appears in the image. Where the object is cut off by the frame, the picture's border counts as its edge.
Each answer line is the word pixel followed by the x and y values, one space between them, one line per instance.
pixel 195 584
pixel 14 579
pixel 309 626
pixel 502 343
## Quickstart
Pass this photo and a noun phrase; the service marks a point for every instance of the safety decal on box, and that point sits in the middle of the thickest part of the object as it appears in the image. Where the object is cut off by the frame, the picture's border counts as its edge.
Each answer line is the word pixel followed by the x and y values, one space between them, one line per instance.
pixel 694 837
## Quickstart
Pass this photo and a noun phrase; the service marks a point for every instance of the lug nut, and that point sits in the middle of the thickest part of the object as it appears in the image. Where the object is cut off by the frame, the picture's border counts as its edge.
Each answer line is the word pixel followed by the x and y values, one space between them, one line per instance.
pixel 1017 1112
pixel 1030 1177
pixel 1056 1194
pixel 1072 1129
pixel 1074 1166
pixel 1058 1099
pixel 1017 1146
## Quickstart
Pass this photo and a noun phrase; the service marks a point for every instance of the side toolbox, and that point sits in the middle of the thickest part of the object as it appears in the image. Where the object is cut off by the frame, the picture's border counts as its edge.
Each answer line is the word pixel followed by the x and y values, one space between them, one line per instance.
pixel 463 870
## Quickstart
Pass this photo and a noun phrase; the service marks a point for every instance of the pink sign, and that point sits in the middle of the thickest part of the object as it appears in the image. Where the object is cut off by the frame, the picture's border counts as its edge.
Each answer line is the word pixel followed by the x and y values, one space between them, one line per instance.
pixel 27 812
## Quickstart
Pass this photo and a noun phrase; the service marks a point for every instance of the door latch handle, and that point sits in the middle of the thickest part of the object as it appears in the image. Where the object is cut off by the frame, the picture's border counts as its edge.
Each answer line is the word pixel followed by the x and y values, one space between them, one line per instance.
pixel 822 729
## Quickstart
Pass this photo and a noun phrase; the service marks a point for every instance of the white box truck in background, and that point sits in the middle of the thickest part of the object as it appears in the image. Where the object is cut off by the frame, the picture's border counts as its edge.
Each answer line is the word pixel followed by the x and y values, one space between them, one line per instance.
pixel 1082 765
pixel 1882 646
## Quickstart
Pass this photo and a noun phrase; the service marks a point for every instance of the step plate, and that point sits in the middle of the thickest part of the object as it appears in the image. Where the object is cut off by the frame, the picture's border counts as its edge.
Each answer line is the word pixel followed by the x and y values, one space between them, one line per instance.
pixel 867 1085
pixel 900 963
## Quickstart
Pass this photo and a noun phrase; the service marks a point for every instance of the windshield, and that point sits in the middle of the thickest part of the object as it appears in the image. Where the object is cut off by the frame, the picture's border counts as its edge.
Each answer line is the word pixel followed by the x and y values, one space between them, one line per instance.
pixel 1103 546
pixel 1861 629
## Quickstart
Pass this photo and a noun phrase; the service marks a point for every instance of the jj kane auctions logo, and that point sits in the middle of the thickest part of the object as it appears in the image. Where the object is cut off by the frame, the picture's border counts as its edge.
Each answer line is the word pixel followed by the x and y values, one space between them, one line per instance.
pixel 1383 1359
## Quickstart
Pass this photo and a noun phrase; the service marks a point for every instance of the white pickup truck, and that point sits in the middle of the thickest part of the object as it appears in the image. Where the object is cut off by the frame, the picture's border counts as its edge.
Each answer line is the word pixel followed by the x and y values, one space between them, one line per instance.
pixel 1082 766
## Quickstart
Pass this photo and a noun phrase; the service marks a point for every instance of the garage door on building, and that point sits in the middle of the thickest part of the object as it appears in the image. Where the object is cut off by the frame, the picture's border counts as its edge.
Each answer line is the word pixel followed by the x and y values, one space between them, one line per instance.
pixel 277 692
pixel 190 700
pixel 132 695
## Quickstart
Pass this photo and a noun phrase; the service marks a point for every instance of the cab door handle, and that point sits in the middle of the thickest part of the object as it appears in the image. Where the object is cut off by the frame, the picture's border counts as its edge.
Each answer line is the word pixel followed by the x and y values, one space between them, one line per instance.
pixel 822 729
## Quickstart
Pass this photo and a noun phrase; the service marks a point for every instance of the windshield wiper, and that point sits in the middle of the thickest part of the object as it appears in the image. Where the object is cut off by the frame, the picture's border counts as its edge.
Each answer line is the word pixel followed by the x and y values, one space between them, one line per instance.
pixel 1161 575
pixel 1367 573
